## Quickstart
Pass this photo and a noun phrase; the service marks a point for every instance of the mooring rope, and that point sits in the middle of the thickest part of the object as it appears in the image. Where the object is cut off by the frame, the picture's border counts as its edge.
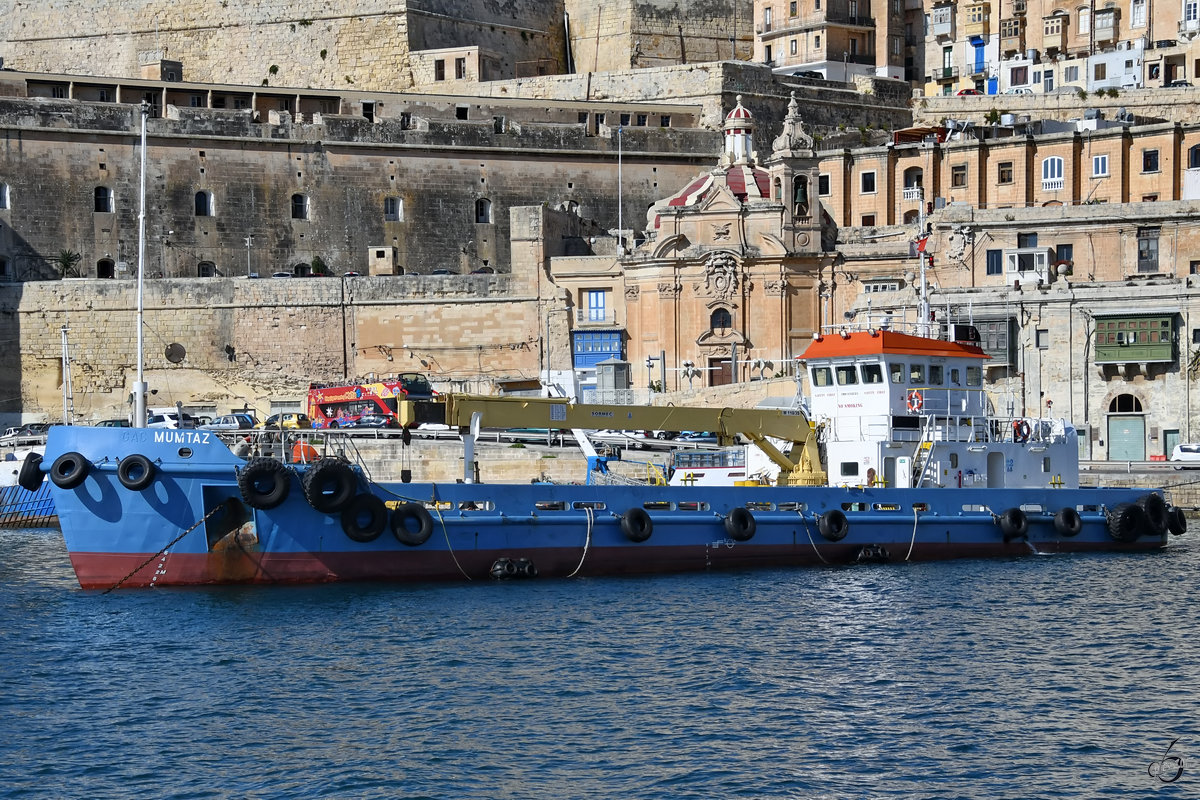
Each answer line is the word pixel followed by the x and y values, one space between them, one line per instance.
pixel 808 533
pixel 912 543
pixel 449 548
pixel 591 515
pixel 169 545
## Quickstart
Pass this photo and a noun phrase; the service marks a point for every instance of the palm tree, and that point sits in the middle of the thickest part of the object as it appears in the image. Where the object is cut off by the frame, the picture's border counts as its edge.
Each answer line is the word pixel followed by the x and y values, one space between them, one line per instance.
pixel 67 262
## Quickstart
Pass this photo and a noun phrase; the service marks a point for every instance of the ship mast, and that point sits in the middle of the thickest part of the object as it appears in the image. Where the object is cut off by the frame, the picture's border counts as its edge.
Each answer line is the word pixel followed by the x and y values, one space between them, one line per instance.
pixel 139 388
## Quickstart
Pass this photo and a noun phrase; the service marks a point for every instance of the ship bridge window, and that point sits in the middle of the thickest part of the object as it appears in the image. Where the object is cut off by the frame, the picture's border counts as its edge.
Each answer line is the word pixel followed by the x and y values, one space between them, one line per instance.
pixel 896 371
pixel 974 376
pixel 936 375
pixel 849 469
pixel 847 375
pixel 916 373
pixel 821 376
pixel 872 373
pixel 954 377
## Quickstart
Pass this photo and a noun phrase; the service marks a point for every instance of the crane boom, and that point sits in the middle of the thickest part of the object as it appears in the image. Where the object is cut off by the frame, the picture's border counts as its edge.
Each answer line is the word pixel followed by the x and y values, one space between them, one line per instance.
pixel 801 467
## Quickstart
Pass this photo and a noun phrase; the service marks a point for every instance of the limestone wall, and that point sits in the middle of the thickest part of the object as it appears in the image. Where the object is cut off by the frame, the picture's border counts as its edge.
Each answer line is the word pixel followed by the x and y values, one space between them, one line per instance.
pixel 365 43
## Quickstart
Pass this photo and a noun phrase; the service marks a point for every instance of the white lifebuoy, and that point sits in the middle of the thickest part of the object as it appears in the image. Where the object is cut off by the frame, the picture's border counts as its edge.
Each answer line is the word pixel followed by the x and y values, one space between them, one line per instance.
pixel 915 401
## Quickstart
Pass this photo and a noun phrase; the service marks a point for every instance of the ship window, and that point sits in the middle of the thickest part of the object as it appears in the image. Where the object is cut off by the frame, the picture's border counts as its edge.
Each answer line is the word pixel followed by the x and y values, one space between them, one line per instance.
pixel 916 373
pixel 821 376
pixel 897 372
pixel 847 375
pixel 974 376
pixel 954 461
pixel 849 468
pixel 954 377
pixel 936 375
pixel 872 373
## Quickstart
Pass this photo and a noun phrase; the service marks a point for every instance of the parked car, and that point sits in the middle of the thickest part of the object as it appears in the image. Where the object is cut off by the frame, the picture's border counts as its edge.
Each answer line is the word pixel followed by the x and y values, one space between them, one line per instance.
pixel 231 422
pixel 1180 84
pixel 375 421
pixel 171 420
pixel 1018 90
pixel 281 274
pixel 113 423
pixel 289 419
pixel 968 92
pixel 1186 456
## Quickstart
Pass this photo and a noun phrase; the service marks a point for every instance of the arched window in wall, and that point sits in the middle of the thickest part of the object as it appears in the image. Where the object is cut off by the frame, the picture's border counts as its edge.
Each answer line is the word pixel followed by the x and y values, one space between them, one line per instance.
pixel 720 321
pixel 1125 404
pixel 206 269
pixel 103 200
pixel 105 268
pixel 393 209
pixel 483 210
pixel 1194 157
pixel 204 204
pixel 299 206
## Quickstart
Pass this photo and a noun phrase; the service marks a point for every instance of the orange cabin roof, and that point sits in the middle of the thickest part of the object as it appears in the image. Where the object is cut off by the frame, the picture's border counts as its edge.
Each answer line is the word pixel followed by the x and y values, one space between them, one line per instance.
pixel 862 343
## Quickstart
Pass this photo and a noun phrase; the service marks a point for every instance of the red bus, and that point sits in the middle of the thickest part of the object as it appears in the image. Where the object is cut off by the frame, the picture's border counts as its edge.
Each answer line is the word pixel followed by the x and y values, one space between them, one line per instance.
pixel 339 405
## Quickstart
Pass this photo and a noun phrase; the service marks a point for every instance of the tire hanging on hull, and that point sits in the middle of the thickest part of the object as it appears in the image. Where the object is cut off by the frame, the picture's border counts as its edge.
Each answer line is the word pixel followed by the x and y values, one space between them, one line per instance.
pixel 1126 522
pixel 416 513
pixel 364 518
pixel 740 524
pixel 69 470
pixel 1013 524
pixel 135 472
pixel 1068 522
pixel 833 525
pixel 329 485
pixel 637 525
pixel 264 483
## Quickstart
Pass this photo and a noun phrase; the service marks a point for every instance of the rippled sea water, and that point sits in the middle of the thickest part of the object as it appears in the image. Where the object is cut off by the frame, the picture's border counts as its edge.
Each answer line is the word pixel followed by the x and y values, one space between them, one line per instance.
pixel 1040 677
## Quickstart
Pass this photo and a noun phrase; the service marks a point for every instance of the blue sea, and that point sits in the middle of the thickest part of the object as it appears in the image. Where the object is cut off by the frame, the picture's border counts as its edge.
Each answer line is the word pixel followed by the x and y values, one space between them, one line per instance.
pixel 1037 677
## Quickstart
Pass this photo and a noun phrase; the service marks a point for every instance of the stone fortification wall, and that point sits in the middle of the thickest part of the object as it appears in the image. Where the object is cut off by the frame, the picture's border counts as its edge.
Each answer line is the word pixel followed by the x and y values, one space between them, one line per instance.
pixel 365 43
pixel 656 33
pixel 1175 105
pixel 258 341
pixel 344 166
pixel 715 86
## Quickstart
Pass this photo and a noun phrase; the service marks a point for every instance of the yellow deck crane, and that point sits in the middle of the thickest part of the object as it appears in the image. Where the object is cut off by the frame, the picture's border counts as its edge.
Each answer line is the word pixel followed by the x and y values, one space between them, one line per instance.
pixel 470 413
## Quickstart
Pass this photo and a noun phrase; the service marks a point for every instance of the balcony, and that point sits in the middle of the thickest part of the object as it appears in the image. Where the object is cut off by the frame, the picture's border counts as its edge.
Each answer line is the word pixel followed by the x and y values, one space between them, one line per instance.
pixel 1187 28
pixel 1018 8
pixel 1029 262
pixel 914 193
pixel 1054 41
pixel 979 21
pixel 945 74
pixel 595 317
pixel 977 69
pixel 1052 184
pixel 835 18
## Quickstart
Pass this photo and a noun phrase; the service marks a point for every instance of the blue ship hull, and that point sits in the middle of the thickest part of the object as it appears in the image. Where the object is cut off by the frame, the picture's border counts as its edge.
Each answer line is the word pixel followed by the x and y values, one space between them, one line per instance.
pixel 193 524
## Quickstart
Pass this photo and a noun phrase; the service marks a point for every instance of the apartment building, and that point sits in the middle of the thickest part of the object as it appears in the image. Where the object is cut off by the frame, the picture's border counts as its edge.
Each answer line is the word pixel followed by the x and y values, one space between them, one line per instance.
pixel 831 39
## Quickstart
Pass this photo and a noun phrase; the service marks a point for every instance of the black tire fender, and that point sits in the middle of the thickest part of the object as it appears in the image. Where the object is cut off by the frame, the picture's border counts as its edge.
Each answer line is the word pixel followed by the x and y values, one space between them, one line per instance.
pixel 264 482
pixel 740 524
pixel 1176 521
pixel 1068 522
pixel 69 470
pixel 364 518
pixel 136 472
pixel 833 525
pixel 329 485
pixel 30 477
pixel 1127 522
pixel 1013 524
pixel 415 512
pixel 1156 512
pixel 637 525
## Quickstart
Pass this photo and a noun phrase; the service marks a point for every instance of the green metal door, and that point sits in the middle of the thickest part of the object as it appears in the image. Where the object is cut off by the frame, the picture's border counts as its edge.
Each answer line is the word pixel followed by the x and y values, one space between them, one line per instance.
pixel 1170 439
pixel 1126 438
